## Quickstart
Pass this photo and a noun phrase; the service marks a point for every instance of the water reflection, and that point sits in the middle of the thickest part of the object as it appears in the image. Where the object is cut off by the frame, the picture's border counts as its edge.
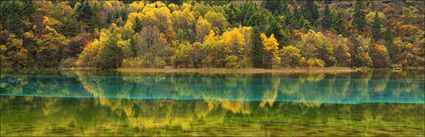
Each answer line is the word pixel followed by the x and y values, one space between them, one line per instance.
pixel 111 103
pixel 67 116
pixel 350 88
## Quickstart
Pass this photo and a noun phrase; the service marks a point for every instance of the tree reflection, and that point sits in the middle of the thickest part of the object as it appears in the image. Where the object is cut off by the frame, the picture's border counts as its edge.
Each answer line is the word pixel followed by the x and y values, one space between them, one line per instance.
pixel 64 116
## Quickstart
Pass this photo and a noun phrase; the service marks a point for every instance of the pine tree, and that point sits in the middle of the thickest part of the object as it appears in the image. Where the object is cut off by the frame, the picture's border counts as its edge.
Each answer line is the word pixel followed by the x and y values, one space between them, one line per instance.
pixel 257 48
pixel 387 35
pixel 359 19
pixel 376 27
pixel 84 11
pixel 311 13
pixel 326 21
pixel 137 25
pixel 337 22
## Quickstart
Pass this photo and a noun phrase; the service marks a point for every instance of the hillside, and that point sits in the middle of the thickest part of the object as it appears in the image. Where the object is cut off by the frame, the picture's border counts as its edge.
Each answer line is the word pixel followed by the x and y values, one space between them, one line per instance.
pixel 211 34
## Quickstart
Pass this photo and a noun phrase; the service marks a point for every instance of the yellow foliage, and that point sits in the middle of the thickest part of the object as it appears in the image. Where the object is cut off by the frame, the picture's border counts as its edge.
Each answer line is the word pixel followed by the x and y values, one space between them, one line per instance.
pixel 234 37
pixel 270 47
pixel 136 6
pixel 203 28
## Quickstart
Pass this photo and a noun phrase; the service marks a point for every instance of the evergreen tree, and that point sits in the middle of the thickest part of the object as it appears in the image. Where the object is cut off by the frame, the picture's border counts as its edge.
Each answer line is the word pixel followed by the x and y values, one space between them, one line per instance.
pixel 257 49
pixel 277 7
pixel 13 15
pixel 376 27
pixel 137 25
pixel 387 35
pixel 337 22
pixel 326 21
pixel 127 1
pixel 310 12
pixel 359 19
pixel 84 11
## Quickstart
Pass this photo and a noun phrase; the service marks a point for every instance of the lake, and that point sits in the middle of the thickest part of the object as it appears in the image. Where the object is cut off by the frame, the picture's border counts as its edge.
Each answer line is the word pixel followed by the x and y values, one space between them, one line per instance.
pixel 378 103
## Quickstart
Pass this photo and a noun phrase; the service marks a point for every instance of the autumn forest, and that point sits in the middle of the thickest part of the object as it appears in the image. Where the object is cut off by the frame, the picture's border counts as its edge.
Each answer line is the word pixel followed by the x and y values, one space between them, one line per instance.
pixel 211 34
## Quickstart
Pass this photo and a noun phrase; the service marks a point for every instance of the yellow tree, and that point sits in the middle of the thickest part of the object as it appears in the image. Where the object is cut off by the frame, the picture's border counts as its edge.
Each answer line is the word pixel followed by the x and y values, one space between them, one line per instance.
pixel 271 50
pixel 203 28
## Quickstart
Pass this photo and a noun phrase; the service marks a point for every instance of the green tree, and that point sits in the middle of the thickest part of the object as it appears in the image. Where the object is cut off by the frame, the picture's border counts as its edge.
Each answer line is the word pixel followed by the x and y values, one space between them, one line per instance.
pixel 387 35
pixel 137 25
pixel 362 57
pixel 326 21
pixel 15 14
pixel 85 13
pixel 316 45
pixel 359 16
pixel 277 7
pixel 310 12
pixel 376 27
pixel 290 56
pixel 337 23
pixel 257 49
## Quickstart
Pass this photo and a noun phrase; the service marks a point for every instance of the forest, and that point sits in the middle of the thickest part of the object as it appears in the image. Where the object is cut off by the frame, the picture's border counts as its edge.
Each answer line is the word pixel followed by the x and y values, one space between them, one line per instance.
pixel 211 34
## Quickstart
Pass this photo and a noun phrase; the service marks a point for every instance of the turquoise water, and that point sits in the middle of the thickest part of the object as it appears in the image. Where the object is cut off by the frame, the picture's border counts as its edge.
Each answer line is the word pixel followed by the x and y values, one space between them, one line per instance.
pixel 379 103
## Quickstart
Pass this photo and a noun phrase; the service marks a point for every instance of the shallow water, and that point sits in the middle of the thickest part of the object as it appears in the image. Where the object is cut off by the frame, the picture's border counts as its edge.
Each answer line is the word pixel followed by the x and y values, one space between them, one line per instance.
pixel 110 103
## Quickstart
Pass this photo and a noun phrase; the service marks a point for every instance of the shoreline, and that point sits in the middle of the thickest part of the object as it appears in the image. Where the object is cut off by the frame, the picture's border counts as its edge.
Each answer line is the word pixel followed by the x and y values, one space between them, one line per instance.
pixel 169 69
pixel 238 71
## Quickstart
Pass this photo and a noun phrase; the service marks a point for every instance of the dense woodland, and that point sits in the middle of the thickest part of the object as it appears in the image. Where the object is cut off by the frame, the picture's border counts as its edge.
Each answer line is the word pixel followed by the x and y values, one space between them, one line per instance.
pixel 198 34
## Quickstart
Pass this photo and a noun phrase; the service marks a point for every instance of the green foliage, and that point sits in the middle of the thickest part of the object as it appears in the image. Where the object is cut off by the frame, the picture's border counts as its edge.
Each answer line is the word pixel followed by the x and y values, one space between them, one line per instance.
pixel 316 45
pixel 108 51
pixel 15 14
pixel 218 21
pixel 359 19
pixel 326 21
pixel 362 57
pixel 311 13
pixel 376 27
pixel 312 62
pixel 257 49
pixel 182 57
pixel 290 56
pixel 136 62
pixel 341 52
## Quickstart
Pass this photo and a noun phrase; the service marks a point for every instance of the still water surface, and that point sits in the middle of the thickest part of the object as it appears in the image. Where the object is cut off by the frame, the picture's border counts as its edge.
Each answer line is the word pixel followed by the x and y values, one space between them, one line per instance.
pixel 111 103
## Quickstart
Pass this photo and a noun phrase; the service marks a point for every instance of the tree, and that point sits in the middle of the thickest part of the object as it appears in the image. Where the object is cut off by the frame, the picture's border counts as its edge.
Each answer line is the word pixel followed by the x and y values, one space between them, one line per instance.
pixel 316 45
pixel 277 7
pixel 15 14
pixel 202 28
pixel 387 35
pixel 106 52
pixel 257 49
pixel 326 21
pixel 218 21
pixel 85 13
pixel 290 56
pixel 376 27
pixel 311 13
pixel 362 57
pixel 359 20
pixel 137 25
pixel 182 55
pixel 337 23
pixel 380 56
pixel 271 50
pixel 151 45
pixel 342 52
pixel 13 54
